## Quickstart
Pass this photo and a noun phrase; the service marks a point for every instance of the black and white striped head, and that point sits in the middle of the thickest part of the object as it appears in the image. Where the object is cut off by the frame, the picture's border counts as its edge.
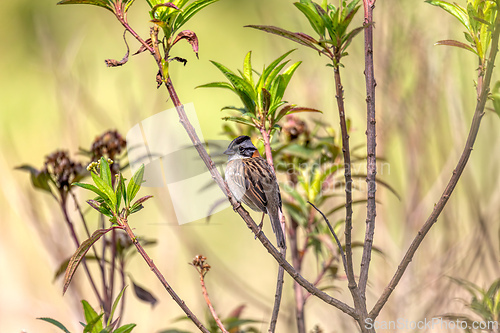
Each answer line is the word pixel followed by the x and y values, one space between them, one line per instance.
pixel 241 147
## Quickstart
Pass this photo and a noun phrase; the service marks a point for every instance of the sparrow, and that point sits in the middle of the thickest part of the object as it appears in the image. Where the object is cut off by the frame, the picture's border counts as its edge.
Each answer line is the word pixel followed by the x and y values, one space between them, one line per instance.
pixel 252 181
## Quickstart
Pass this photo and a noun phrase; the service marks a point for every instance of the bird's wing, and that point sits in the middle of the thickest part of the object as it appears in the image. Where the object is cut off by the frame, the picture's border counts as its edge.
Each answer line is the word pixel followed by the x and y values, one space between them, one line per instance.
pixel 257 183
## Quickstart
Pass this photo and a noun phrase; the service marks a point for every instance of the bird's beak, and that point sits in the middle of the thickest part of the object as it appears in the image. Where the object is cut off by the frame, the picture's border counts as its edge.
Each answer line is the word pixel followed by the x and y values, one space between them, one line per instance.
pixel 229 152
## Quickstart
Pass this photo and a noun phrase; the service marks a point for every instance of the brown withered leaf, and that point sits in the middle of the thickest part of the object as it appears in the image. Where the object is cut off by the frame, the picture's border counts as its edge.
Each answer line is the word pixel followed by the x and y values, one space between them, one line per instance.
pixel 191 37
pixel 179 59
pixel 116 63
pixel 143 48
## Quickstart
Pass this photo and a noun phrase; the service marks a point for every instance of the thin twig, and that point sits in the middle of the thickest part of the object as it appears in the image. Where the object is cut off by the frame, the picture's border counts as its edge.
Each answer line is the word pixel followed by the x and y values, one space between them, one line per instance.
pixel 162 279
pixel 77 243
pixel 483 86
pixel 339 245
pixel 202 267
pixel 371 143
pixel 281 271
pixel 297 256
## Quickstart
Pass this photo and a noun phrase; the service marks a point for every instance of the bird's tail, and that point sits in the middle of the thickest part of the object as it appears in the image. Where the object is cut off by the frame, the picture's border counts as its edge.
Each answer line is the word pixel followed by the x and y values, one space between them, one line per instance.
pixel 276 225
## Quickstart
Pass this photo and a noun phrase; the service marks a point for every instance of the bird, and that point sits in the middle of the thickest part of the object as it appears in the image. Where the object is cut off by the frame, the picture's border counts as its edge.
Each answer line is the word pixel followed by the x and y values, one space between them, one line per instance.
pixel 252 180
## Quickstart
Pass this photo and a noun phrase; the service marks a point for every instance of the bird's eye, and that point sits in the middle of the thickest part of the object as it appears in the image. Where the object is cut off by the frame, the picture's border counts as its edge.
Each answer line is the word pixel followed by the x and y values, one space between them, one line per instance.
pixel 242 149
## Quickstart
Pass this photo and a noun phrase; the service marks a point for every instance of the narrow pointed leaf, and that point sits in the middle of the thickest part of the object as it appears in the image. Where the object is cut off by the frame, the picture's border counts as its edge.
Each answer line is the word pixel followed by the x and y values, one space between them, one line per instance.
pixel 189 11
pixel 101 3
pixel 217 85
pixel 266 73
pixel 314 18
pixel 300 38
pixel 456 43
pixel 55 323
pixel 94 324
pixel 125 328
pixel 80 254
pixel 105 171
pixel 115 304
pixel 247 68
pixel 135 183
pixel 239 120
pixel 92 188
pixel 102 185
pixel 454 9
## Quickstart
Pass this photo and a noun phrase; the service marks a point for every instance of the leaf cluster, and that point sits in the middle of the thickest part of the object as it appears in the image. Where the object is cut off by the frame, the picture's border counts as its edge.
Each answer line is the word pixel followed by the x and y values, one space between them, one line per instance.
pixel 111 197
pixel 478 18
pixel 94 322
pixel 330 23
pixel 483 302
pixel 262 98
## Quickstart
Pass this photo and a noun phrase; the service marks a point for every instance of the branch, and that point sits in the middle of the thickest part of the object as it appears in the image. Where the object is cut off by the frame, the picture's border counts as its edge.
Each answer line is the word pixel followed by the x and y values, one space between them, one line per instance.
pixel 281 272
pixel 77 243
pixel 199 262
pixel 359 303
pixel 156 271
pixel 371 140
pixel 483 86
pixel 334 235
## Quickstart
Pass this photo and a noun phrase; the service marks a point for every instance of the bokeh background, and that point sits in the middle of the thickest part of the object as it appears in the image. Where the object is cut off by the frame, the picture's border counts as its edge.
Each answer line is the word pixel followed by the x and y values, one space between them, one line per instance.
pixel 56 93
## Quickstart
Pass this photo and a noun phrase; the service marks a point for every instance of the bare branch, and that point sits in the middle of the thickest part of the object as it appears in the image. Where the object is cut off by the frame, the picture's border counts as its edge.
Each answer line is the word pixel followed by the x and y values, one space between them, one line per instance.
pixel 371 143
pixel 483 89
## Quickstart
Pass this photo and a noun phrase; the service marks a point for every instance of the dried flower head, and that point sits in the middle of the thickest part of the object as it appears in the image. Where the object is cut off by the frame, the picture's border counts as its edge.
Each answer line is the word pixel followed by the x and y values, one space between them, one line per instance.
pixel 295 127
pixel 109 144
pixel 62 169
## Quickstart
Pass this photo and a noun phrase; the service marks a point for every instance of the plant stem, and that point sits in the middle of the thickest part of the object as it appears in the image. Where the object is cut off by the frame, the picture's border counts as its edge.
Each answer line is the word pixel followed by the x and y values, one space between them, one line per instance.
pixel 483 86
pixel 160 276
pixel 77 243
pixel 281 272
pixel 209 303
pixel 371 143
pixel 297 264
pixel 359 301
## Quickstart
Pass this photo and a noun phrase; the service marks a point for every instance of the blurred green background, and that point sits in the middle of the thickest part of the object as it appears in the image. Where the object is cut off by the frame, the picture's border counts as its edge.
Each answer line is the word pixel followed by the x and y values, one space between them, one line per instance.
pixel 56 92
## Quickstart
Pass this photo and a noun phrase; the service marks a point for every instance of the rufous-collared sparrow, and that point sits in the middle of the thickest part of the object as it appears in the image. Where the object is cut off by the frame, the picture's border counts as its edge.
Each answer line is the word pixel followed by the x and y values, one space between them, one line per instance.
pixel 252 181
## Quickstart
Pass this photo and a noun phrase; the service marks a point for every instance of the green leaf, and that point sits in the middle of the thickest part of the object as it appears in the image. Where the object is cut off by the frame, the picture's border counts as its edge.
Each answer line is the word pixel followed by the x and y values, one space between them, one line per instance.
pixel 39 179
pixel 102 185
pixel 314 18
pixel 55 323
pixel 77 257
pixel 105 171
pixel 454 9
pixel 125 328
pixel 92 188
pixel 239 120
pixel 115 304
pixel 247 68
pixel 189 11
pixel 242 88
pixel 270 70
pixel 217 85
pixel 495 96
pixel 283 84
pixel 94 324
pixel 101 3
pixel 120 192
pixel 134 185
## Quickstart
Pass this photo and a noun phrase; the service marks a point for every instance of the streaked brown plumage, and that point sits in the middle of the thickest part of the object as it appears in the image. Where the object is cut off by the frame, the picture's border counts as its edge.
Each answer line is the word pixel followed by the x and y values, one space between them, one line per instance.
pixel 252 181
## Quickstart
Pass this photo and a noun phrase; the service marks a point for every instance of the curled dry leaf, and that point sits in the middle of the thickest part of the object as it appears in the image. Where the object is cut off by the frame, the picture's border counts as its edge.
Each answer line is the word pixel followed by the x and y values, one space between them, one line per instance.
pixel 191 37
pixel 116 63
